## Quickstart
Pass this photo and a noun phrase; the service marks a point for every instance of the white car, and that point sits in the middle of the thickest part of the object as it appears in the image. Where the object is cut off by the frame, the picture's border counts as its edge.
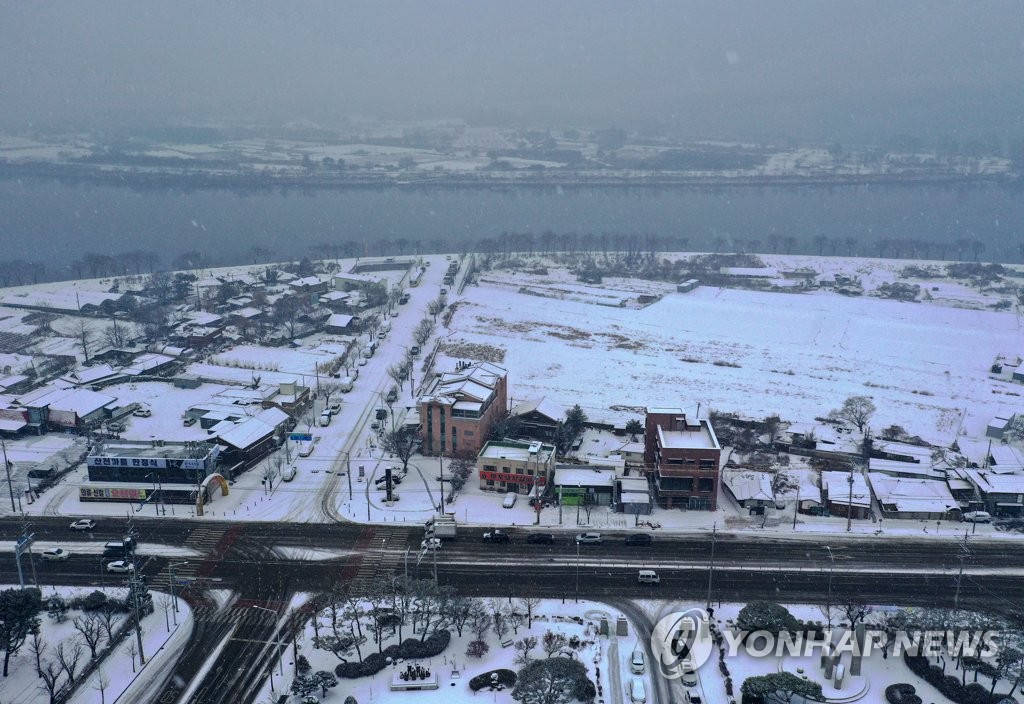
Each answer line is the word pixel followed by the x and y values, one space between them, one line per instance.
pixel 431 544
pixel 121 566
pixel 362 362
pixel 56 554
pixel 142 412
pixel 977 517
pixel 83 524
pixel 307 449
pixel 335 407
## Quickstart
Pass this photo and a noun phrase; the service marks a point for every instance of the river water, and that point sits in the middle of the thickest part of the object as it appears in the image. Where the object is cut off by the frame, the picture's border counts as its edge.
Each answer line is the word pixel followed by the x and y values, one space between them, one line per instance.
pixel 55 222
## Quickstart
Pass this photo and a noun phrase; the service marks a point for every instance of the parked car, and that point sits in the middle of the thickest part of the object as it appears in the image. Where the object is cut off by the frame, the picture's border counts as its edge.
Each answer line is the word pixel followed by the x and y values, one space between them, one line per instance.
pixel 56 554
pixel 83 524
pixel 381 413
pixel 496 536
pixel 431 544
pixel 639 539
pixel 307 449
pixel 540 539
pixel 692 696
pixel 690 678
pixel 589 538
pixel 288 473
pixel 121 566
pixel 335 407
pixel 325 419
pixel 977 517
pixel 361 361
pixel 188 422
pixel 375 425
pixel 142 412
pixel 415 349
pixel 115 426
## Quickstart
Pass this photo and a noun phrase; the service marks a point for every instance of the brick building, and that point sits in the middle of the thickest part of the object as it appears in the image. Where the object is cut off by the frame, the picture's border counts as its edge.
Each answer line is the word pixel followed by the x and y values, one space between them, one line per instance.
pixel 459 408
pixel 682 456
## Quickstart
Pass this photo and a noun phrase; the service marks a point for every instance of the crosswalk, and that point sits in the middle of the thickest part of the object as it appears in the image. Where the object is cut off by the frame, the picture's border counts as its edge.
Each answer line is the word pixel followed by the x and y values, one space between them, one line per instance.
pixel 239 614
pixel 382 560
pixel 203 540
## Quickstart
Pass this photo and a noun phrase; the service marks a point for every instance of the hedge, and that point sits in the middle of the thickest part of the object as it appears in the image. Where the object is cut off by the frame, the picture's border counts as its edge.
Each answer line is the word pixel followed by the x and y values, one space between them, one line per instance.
pixel 902 693
pixel 949 685
pixel 505 677
pixel 409 649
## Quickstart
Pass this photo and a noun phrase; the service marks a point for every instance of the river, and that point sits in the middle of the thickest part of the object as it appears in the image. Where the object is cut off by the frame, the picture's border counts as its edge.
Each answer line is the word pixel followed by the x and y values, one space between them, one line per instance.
pixel 55 222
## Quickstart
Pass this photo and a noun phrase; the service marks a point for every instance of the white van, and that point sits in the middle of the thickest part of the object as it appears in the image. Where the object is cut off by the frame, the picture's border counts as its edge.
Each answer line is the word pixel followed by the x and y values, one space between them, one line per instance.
pixel 636 663
pixel 648 577
pixel 288 473
pixel 637 691
pixel 510 500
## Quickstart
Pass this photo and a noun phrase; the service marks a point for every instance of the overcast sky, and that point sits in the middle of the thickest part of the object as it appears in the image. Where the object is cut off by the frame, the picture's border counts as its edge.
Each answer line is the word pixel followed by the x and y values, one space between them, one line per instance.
pixel 856 70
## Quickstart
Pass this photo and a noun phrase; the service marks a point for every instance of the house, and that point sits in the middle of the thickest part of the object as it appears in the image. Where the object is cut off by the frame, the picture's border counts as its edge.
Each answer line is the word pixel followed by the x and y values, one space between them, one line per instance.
pixel 338 301
pixel 918 499
pixel 902 452
pixel 907 470
pixel 310 285
pixel 515 466
pixel 845 493
pixel 687 286
pixel 339 324
pixel 683 458
pixel 290 397
pixel 253 438
pixel 584 485
pixel 459 408
pixel 632 454
pixel 66 409
pixel 633 496
pixel 998 426
pixel 539 417
pixel 750 489
pixel 1002 494
pixel 354 282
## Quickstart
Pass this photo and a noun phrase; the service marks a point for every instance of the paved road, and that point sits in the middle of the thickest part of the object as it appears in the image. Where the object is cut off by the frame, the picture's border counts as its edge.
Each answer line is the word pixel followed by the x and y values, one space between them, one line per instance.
pixel 242 557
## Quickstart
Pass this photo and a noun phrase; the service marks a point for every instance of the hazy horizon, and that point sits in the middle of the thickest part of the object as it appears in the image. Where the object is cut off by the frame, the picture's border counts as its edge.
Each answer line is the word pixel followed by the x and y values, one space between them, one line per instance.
pixel 856 72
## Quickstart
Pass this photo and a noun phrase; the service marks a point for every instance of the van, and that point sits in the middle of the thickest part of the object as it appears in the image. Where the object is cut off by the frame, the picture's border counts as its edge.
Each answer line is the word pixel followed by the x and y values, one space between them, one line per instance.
pixel 636 663
pixel 510 500
pixel 288 473
pixel 648 577
pixel 118 548
pixel 637 691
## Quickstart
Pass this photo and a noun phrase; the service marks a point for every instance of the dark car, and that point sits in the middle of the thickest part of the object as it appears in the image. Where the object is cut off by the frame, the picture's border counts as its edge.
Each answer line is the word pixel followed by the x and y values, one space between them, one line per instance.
pixel 381 414
pixel 541 538
pixel 496 536
pixel 639 539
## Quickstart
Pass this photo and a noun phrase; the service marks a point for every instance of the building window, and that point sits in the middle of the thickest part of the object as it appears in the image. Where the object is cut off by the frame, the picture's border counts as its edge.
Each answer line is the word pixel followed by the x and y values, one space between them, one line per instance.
pixel 707 464
pixel 490 468
pixel 490 482
pixel 705 486
pixel 468 433
pixel 455 439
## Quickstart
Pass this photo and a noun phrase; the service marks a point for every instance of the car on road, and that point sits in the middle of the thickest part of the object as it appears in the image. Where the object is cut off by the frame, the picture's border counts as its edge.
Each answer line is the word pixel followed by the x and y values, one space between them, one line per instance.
pixel 335 407
pixel 381 414
pixel 375 425
pixel 431 544
pixel 142 412
pixel 444 292
pixel 977 517
pixel 589 539
pixel 540 539
pixel 56 554
pixel 496 536
pixel 689 678
pixel 288 473
pixel 415 349
pixel 120 566
pixel 307 449
pixel 325 419
pixel 639 539
pixel 692 696
pixel 188 422
pixel 361 361
pixel 83 524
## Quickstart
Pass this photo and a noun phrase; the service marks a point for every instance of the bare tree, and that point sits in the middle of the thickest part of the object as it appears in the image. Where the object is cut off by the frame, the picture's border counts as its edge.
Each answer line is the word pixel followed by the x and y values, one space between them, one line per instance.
pixel 328 389
pixel 133 651
pixel 51 674
pixel 69 654
pixel 101 684
pixel 523 648
pixel 855 611
pixel 397 372
pixel 84 333
pixel 499 619
pixel 400 442
pixel 553 643
pixel 530 603
pixel 37 646
pixel 118 334
pixel 479 620
pixel 855 409
pixel 91 628
pixel 108 617
pixel 423 331
pixel 515 619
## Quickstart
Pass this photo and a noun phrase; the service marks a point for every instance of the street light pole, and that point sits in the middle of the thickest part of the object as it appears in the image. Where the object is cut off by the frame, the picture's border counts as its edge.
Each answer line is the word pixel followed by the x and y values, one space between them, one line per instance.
pixel 576 597
pixel 711 566
pixel 831 570
pixel 7 468
pixel 849 503
pixel 276 642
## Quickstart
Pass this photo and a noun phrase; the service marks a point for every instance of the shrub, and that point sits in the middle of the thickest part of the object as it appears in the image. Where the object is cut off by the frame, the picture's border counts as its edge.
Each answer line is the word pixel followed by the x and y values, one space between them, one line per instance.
pixel 350 700
pixel 302 665
pixel 901 693
pixel 505 677
pixel 409 649
pixel 94 602
pixel 477 649
pixel 728 686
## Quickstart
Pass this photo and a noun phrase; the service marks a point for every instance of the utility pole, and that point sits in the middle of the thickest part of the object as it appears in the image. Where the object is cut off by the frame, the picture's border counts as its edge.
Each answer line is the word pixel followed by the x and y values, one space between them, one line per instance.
pixel 965 552
pixel 849 503
pixel 831 570
pixel 576 597
pixel 348 471
pixel 440 463
pixel 796 509
pixel 7 468
pixel 711 566
pixel 28 548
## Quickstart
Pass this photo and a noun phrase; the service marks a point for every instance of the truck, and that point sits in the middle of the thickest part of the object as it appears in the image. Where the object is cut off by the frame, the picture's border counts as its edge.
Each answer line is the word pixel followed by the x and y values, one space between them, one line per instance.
pixel 443 527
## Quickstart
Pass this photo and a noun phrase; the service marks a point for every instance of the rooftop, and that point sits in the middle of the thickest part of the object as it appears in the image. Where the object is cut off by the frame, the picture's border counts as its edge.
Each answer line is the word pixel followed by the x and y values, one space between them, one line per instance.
pixel 518 451
pixel 166 450
pixel 700 438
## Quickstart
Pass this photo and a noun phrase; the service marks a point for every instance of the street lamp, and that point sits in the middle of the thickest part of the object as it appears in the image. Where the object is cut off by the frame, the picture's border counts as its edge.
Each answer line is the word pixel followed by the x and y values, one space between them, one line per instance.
pixel 577 595
pixel 174 595
pixel 831 570
pixel 280 658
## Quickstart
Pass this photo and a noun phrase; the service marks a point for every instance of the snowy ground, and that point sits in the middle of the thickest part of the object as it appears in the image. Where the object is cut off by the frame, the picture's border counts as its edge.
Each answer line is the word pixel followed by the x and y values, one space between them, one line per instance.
pixel 163 641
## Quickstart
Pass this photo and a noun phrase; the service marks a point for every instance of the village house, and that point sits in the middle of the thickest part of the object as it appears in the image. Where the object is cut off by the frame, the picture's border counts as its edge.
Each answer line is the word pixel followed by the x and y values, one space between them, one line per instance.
pixel 515 466
pixel 539 417
pixel 846 493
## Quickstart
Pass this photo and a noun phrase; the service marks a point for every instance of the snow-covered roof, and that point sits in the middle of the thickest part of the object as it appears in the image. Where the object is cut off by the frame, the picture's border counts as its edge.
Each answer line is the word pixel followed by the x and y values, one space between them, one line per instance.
pixel 635 497
pixel 838 486
pixel 698 438
pixel 992 483
pixel 144 362
pixel 475 382
pixel 306 281
pixel 252 430
pixel 912 495
pixel 90 375
pixel 920 454
pixel 82 402
pixel 749 271
pixel 584 476
pixel 203 319
pixel 541 405
pixel 633 484
pixel 632 448
pixel 1006 457
pixel 339 320
pixel 748 485
pixel 516 451
pixel 893 467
